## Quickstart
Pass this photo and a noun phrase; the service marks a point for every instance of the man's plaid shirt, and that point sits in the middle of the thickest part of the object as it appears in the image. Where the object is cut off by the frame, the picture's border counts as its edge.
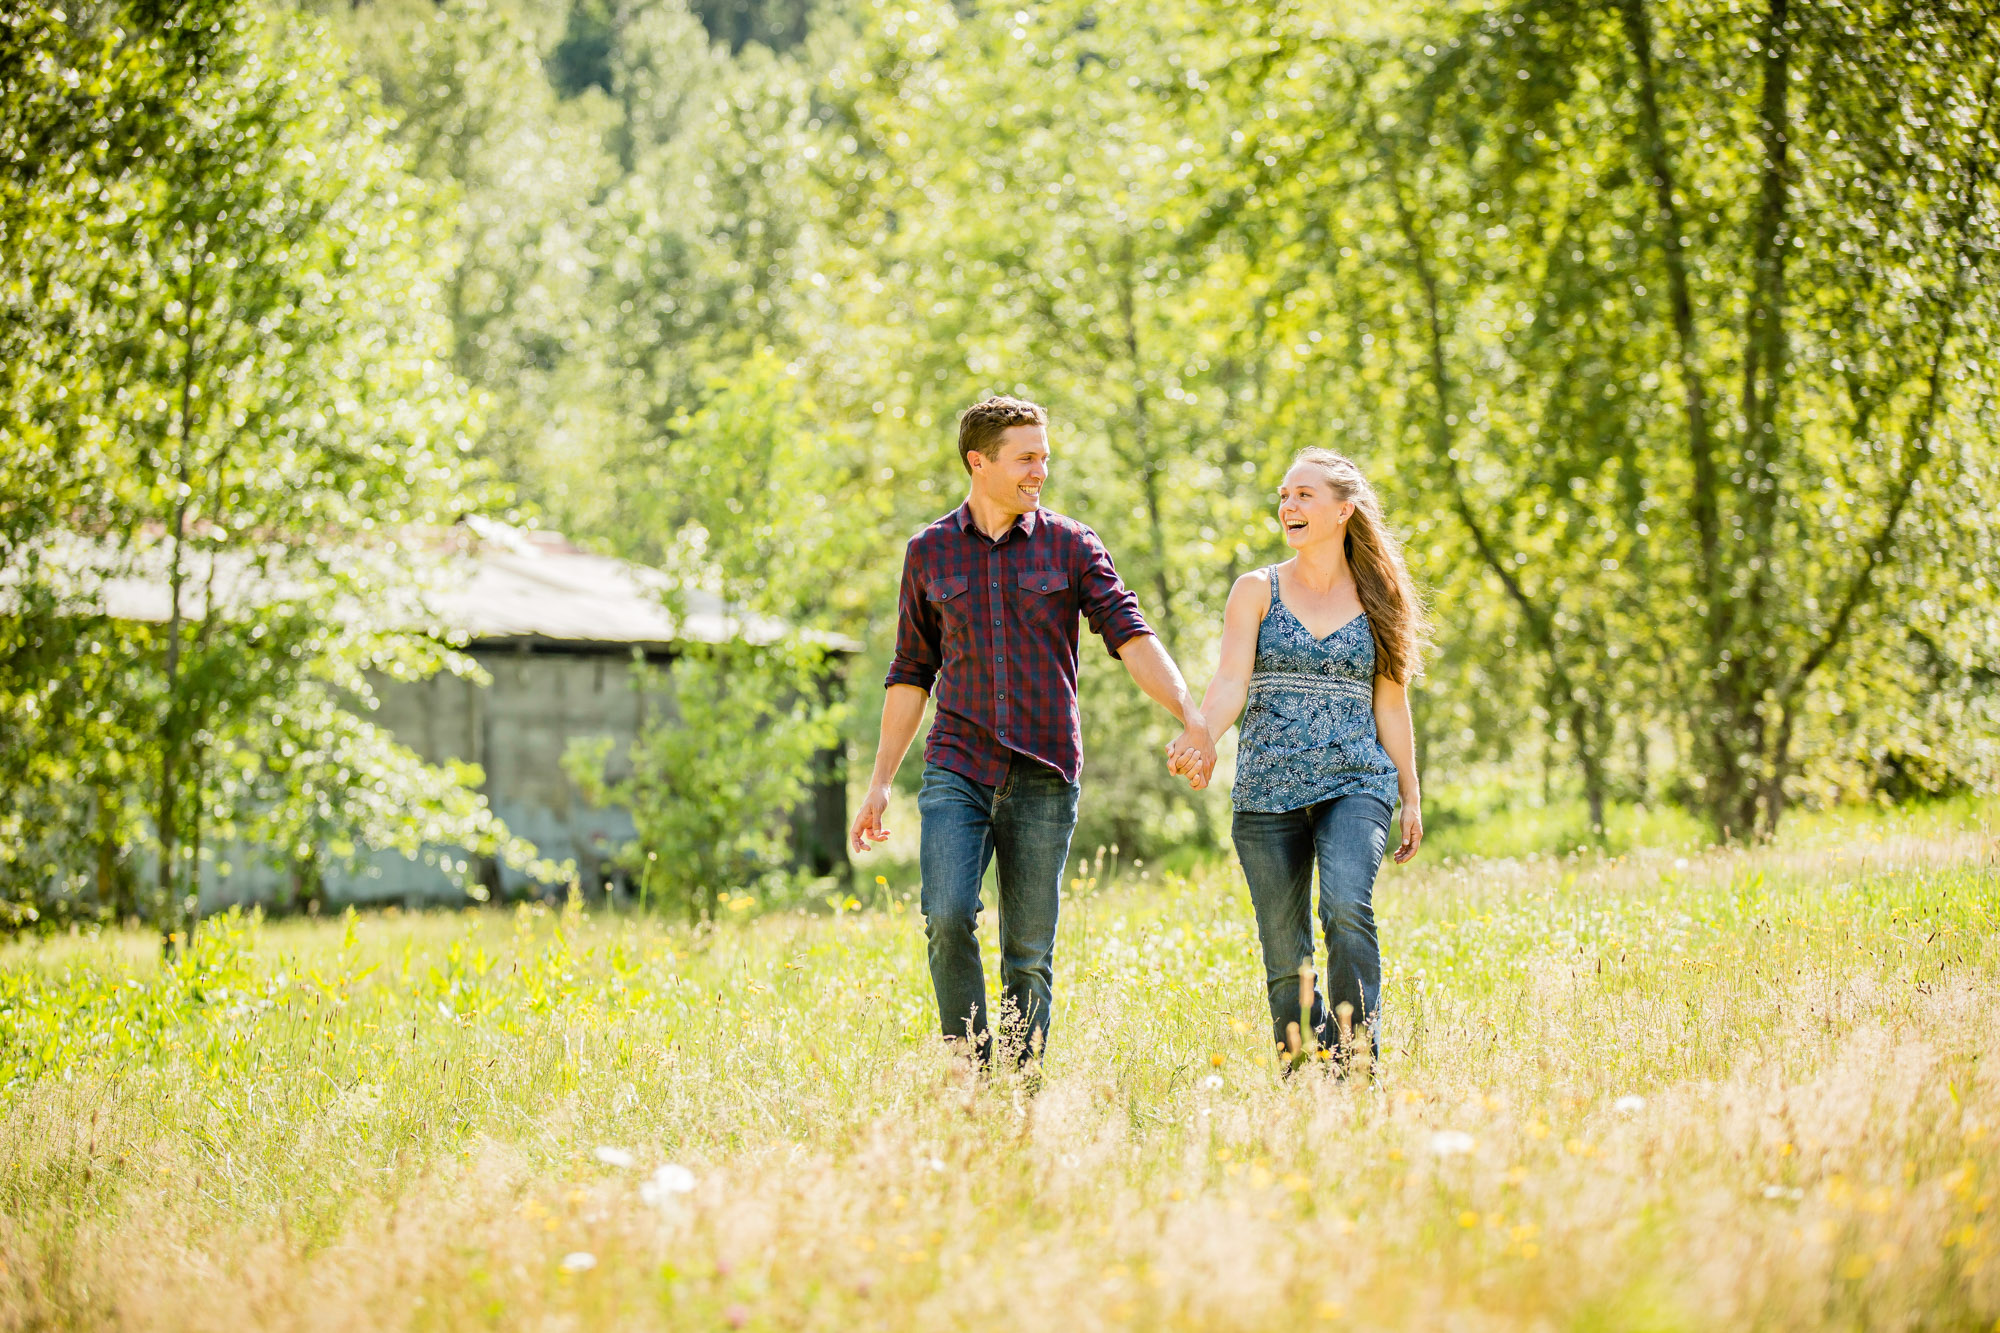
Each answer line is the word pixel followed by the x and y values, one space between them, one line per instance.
pixel 993 626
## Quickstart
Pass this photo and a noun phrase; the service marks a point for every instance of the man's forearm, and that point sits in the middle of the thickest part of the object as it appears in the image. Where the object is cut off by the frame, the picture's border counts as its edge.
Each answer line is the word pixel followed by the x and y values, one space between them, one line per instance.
pixel 1146 658
pixel 902 714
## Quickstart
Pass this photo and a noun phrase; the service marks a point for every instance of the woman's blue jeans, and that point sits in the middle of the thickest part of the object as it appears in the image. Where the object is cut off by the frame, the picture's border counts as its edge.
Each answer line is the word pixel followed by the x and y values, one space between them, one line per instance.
pixel 1026 822
pixel 1345 837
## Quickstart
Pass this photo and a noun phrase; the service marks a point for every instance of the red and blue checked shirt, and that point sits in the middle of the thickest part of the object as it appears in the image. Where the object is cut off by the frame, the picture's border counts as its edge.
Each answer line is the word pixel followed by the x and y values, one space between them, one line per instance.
pixel 993 626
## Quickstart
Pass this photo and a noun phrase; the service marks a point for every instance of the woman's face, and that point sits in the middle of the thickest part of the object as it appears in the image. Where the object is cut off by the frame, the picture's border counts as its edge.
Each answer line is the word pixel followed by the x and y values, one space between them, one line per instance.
pixel 1309 510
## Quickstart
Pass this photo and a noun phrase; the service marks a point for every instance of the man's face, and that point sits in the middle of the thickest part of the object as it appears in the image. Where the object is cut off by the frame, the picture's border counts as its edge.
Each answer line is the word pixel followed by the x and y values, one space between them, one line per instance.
pixel 1012 478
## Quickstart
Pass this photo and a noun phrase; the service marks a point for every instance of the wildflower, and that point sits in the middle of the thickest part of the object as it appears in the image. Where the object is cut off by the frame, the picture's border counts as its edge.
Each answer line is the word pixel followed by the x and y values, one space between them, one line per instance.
pixel 935 1164
pixel 612 1156
pixel 737 1316
pixel 1629 1104
pixel 582 1261
pixel 1451 1143
pixel 1212 1082
pixel 1780 1192
pixel 668 1181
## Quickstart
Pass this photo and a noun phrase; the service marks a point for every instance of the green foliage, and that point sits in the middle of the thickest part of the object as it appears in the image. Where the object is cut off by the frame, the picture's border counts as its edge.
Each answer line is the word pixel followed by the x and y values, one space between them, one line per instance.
pixel 711 783
pixel 234 413
pixel 1665 328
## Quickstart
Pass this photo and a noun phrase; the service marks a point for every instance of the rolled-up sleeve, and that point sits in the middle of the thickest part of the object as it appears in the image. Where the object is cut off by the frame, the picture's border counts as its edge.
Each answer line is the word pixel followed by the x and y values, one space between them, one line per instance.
pixel 919 641
pixel 1110 607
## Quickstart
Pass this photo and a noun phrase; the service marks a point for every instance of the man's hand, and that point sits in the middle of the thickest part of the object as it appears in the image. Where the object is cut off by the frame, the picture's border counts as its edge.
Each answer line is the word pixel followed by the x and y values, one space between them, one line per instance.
pixel 1191 754
pixel 868 821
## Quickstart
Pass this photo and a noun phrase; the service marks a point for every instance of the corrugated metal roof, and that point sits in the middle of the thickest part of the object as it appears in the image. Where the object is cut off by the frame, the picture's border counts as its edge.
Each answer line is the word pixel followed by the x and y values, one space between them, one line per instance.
pixel 490 580
pixel 525 583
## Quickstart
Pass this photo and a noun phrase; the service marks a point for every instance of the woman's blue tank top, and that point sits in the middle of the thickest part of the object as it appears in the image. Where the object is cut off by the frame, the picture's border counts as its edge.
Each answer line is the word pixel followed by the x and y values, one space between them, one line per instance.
pixel 1309 724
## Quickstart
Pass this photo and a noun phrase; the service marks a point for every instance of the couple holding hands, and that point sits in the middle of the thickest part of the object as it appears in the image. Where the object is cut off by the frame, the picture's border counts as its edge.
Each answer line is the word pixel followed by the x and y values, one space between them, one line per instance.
pixel 1317 655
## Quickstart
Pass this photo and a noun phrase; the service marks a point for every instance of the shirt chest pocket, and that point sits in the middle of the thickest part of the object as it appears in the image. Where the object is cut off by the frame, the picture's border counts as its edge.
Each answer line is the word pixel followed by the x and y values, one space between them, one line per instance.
pixel 1043 597
pixel 947 593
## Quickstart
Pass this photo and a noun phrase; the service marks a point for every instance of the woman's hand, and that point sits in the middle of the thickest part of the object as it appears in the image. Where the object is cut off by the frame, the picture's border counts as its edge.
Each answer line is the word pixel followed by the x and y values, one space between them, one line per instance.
pixel 1191 754
pixel 1413 831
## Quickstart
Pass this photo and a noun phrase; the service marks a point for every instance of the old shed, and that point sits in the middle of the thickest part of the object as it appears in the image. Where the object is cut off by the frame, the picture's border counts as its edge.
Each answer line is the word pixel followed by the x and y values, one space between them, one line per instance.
pixel 561 632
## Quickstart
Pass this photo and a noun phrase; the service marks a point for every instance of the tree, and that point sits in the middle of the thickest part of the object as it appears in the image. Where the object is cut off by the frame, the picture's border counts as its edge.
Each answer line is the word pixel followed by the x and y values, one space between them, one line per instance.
pixel 1587 225
pixel 711 784
pixel 258 422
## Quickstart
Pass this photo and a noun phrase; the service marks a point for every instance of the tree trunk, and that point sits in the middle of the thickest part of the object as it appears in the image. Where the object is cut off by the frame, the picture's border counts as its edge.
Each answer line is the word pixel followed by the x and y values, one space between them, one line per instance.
pixel 1582 723
pixel 1641 783
pixel 1919 449
pixel 1739 657
pixel 166 819
pixel 1540 622
pixel 1149 485
pixel 1142 458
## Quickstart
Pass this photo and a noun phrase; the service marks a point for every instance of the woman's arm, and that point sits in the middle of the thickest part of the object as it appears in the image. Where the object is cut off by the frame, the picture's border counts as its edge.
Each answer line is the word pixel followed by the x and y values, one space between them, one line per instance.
pixel 1399 737
pixel 1223 702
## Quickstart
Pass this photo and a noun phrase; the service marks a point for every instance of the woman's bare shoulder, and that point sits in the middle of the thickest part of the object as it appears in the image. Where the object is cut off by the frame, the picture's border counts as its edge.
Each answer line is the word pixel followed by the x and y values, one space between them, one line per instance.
pixel 1253 588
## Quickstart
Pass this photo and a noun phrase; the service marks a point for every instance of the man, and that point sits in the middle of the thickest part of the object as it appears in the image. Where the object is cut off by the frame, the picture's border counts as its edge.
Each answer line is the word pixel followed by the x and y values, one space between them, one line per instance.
pixel 988 618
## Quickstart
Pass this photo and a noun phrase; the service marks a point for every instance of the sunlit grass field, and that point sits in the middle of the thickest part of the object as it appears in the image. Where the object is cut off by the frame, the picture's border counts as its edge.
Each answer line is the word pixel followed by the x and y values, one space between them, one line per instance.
pixel 1662 1091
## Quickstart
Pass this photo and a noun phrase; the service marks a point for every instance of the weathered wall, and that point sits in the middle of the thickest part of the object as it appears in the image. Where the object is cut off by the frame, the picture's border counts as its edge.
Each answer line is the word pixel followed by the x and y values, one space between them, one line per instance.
pixel 540 699
pixel 516 729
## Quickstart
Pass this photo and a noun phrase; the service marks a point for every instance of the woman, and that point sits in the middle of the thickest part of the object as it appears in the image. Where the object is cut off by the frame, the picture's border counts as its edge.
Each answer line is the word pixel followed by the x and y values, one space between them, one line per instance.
pixel 1322 649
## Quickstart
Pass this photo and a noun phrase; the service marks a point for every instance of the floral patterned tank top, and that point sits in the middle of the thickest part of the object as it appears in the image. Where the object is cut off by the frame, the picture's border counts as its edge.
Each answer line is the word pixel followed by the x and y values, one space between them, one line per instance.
pixel 1309 724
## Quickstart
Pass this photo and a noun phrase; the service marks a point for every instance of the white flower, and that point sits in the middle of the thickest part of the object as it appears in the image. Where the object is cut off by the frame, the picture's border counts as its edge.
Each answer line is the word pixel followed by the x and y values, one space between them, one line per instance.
pixel 1629 1104
pixel 1451 1142
pixel 1212 1082
pixel 612 1156
pixel 668 1181
pixel 935 1164
pixel 582 1261
pixel 1680 863
pixel 1780 1192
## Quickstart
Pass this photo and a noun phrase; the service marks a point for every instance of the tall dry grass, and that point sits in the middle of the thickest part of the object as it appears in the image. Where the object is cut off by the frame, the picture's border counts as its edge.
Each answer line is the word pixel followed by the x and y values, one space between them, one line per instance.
pixel 1737 1090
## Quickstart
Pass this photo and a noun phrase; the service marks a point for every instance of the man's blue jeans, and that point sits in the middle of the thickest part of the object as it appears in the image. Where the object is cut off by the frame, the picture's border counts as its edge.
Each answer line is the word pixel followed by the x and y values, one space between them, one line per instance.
pixel 1345 837
pixel 1027 822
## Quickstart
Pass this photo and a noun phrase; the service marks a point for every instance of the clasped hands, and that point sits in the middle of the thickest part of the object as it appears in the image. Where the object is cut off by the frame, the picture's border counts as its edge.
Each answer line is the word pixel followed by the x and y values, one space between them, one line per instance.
pixel 1191 754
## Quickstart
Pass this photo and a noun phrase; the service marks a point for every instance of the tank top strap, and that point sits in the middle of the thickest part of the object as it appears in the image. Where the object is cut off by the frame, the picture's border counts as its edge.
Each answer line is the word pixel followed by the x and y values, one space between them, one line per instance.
pixel 1272 574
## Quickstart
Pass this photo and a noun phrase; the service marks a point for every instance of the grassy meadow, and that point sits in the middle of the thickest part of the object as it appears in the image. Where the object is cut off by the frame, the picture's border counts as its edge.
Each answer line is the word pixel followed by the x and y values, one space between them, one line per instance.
pixel 1664 1090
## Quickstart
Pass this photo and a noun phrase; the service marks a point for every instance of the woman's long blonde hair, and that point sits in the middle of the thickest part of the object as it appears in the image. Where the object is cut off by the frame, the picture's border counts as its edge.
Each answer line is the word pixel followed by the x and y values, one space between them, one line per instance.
pixel 1396 616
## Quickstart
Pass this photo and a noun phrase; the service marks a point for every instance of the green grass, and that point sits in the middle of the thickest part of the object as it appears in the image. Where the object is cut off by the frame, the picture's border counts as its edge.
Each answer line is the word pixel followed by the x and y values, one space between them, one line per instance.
pixel 393 1121
pixel 1504 830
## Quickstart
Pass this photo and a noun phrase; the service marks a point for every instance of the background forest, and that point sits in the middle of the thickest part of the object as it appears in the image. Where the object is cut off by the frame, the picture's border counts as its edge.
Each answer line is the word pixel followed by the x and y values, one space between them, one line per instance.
pixel 1667 329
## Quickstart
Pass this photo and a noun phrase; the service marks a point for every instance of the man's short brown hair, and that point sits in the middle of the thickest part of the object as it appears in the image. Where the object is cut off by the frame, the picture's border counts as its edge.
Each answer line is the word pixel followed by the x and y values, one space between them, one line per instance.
pixel 982 424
